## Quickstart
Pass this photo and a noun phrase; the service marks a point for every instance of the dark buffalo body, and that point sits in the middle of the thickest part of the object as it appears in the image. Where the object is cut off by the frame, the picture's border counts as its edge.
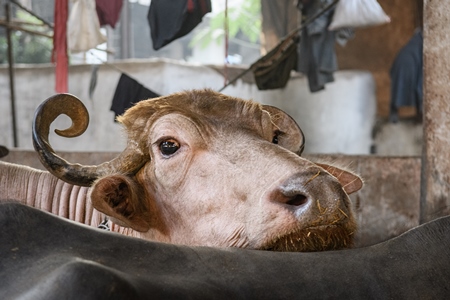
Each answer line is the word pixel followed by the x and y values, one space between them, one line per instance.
pixel 47 257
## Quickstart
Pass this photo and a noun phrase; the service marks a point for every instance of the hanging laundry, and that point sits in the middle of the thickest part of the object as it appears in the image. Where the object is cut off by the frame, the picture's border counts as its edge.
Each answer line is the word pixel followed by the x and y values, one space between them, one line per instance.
pixel 59 53
pixel 407 77
pixel 316 55
pixel 108 11
pixel 172 19
pixel 83 27
pixel 129 92
pixel 273 70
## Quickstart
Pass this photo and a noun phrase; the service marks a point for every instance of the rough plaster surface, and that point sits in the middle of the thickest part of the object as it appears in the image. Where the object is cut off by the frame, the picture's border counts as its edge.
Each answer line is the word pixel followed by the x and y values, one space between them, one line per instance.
pixel 387 206
pixel 404 138
pixel 336 120
pixel 436 157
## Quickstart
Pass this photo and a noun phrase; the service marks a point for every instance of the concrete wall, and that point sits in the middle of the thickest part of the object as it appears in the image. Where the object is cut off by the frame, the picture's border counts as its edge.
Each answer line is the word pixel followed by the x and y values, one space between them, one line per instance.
pixel 436 157
pixel 387 206
pixel 337 120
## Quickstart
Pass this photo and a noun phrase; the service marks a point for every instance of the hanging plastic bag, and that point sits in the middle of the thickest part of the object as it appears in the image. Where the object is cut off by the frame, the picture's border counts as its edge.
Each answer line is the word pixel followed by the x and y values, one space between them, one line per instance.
pixel 358 13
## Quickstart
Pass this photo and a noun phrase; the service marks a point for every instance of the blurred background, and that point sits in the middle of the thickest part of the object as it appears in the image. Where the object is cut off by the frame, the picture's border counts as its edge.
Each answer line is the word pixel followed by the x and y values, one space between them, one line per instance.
pixel 351 115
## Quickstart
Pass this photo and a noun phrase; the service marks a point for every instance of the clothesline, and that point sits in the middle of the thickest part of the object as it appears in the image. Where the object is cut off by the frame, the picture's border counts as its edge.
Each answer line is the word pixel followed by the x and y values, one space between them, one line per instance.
pixel 255 65
pixel 128 90
pixel 251 68
pixel 93 76
pixel 289 36
pixel 105 62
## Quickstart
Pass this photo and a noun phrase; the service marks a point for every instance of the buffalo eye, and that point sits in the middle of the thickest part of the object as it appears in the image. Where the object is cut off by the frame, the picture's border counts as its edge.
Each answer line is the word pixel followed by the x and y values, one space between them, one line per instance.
pixel 169 147
pixel 276 134
pixel 275 139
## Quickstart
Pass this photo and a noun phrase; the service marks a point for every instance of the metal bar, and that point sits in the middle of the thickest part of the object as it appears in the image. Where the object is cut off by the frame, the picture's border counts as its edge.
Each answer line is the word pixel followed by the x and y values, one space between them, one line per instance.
pixel 125 31
pixel 12 26
pixel 11 75
pixel 32 13
pixel 20 22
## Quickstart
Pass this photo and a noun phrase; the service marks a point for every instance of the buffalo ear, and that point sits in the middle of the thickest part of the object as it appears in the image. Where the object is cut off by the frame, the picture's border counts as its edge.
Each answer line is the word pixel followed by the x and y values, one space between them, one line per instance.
pixel 350 182
pixel 293 138
pixel 119 197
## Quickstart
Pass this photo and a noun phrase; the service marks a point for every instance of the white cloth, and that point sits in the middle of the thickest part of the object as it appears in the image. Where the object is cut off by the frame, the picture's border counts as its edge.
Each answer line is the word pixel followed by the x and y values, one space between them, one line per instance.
pixel 358 13
pixel 83 27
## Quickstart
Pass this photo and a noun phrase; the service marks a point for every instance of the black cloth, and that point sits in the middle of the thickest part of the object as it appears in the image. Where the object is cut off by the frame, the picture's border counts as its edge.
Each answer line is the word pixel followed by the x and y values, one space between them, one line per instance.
pixel 129 92
pixel 273 70
pixel 172 19
pixel 407 77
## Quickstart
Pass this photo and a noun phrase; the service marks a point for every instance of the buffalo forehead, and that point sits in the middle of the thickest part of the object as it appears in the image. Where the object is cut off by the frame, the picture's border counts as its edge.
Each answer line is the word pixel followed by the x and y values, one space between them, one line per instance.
pixel 203 107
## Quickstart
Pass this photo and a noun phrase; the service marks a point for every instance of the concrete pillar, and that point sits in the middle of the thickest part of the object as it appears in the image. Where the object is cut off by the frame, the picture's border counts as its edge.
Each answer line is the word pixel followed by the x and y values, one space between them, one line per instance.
pixel 435 182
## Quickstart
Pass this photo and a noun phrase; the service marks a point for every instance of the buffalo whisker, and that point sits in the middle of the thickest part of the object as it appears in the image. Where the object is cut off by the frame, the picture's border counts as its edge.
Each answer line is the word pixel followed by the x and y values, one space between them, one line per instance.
pixel 320 208
pixel 313 177
pixel 343 212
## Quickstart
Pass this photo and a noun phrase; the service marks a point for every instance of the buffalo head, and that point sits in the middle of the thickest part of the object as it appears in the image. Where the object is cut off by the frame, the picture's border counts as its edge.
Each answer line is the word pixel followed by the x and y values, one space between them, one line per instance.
pixel 202 168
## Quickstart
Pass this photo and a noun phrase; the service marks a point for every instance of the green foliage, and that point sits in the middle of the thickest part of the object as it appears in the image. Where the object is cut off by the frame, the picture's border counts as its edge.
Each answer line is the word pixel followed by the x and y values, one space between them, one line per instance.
pixel 245 19
pixel 27 48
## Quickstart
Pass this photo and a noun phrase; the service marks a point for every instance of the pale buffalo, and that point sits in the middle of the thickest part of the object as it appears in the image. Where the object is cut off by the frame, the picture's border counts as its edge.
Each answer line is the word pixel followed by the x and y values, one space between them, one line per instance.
pixel 200 168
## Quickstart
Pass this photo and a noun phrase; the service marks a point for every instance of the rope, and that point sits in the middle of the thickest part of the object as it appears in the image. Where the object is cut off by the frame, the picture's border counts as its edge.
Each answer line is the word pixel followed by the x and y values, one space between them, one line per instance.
pixel 295 31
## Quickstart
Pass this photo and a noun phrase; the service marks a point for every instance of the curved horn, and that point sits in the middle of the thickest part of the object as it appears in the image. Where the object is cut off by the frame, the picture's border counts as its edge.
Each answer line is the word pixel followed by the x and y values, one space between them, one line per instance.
pixel 128 162
pixel 293 138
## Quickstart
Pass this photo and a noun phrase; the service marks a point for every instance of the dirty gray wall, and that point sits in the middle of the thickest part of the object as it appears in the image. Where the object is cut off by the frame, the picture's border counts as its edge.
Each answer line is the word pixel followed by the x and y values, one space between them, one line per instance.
pixel 336 120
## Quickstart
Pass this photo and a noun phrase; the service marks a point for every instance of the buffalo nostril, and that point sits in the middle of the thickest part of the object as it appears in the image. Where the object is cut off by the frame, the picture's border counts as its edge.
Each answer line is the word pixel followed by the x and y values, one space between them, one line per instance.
pixel 297 200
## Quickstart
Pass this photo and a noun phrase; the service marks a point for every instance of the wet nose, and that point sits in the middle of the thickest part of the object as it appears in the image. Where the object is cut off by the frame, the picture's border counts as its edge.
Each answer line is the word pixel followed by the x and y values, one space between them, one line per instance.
pixel 291 194
pixel 314 186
